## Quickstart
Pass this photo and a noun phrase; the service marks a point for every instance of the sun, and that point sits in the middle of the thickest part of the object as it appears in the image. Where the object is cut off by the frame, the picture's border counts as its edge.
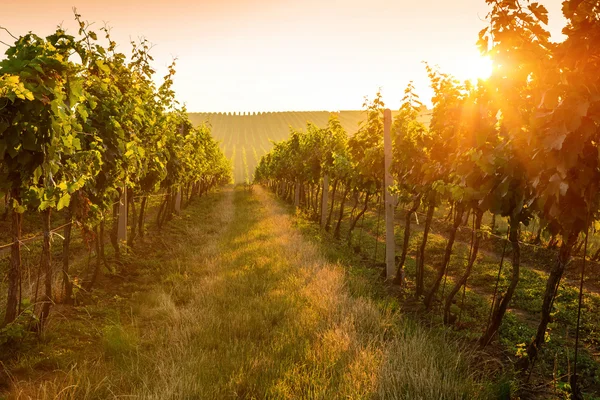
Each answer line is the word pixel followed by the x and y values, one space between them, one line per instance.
pixel 475 68
pixel 469 67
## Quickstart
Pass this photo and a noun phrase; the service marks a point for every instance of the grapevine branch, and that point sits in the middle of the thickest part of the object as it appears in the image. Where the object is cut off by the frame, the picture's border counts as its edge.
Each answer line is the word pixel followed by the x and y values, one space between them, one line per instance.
pixel 7 31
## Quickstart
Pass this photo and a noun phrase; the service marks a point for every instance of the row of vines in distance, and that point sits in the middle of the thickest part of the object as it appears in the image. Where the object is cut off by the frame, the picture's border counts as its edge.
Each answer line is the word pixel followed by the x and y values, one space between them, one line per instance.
pixel 254 132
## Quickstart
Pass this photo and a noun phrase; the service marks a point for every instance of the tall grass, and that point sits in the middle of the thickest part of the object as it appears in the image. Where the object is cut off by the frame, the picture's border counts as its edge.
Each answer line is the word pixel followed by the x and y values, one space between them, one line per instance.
pixel 248 308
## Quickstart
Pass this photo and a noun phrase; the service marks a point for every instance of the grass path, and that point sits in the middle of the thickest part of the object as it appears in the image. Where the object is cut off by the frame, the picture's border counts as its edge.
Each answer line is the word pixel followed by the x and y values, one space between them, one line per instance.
pixel 248 308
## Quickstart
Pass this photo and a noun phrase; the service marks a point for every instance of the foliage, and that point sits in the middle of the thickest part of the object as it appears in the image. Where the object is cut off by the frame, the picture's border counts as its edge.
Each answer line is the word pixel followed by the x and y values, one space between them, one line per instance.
pixel 522 144
pixel 81 123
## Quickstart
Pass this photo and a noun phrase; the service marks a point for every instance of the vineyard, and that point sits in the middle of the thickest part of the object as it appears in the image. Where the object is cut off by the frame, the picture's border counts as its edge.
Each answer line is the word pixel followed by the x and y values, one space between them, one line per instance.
pixel 442 253
pixel 248 136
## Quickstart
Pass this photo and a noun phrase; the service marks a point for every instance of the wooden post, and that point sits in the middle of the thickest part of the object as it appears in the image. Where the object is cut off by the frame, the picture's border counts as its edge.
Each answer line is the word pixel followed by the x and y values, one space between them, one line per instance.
pixel 390 248
pixel 178 201
pixel 122 228
pixel 297 195
pixel 325 200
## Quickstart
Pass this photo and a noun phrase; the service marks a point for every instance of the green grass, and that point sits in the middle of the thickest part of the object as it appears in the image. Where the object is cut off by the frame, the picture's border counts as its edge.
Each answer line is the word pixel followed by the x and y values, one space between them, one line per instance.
pixel 235 299
pixel 523 315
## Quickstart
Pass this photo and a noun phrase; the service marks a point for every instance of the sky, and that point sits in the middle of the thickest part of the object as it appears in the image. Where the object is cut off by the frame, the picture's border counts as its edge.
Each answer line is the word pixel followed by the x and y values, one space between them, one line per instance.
pixel 283 55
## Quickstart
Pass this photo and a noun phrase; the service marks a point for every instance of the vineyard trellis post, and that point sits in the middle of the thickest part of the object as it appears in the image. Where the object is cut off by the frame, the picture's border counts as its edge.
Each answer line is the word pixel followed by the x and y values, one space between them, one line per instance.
pixel 178 201
pixel 122 227
pixel 324 200
pixel 297 195
pixel 390 248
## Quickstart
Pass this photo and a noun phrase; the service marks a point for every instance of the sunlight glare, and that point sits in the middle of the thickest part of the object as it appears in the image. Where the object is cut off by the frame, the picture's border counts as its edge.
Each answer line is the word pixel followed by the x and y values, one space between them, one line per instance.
pixel 477 68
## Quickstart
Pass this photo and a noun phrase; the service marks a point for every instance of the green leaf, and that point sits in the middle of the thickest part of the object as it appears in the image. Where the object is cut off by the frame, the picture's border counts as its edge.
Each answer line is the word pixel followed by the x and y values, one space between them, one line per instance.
pixel 45 204
pixel 63 202
pixel 103 67
pixel 76 88
pixel 37 174
pixel 81 110
pixel 19 208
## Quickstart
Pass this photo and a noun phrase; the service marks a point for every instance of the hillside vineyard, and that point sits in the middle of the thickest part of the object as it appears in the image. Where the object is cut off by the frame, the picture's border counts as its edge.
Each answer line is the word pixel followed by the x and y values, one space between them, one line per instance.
pixel 150 252
pixel 249 136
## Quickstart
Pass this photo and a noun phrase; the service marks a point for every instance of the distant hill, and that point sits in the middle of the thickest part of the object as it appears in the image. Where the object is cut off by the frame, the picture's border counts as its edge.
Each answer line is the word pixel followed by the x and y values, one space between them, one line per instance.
pixel 248 135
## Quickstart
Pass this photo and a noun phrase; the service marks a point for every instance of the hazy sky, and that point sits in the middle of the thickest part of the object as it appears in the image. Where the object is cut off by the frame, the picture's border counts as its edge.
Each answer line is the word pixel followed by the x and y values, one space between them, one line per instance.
pixel 242 55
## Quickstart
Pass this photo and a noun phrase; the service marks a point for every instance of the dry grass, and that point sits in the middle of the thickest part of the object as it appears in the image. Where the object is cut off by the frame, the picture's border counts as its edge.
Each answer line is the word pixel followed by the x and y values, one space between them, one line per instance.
pixel 250 309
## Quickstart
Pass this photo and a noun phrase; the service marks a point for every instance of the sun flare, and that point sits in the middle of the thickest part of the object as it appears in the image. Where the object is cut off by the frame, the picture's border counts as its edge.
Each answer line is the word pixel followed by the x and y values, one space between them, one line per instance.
pixel 477 68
